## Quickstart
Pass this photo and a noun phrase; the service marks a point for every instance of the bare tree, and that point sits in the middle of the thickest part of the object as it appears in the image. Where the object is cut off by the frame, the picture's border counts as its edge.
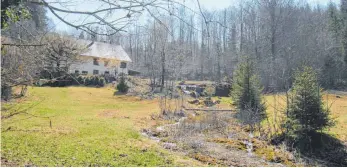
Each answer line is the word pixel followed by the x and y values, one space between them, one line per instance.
pixel 60 54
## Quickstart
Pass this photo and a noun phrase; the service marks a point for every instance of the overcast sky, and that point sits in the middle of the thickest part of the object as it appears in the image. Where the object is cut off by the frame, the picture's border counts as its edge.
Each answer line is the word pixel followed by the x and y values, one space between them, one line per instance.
pixel 206 4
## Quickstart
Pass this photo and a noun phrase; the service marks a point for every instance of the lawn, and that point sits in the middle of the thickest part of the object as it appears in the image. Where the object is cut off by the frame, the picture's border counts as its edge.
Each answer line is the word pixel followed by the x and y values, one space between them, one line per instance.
pixel 89 127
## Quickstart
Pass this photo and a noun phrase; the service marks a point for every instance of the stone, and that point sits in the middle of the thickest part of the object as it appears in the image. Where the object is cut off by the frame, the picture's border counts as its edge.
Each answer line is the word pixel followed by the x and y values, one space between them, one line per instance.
pixel 171 146
pixel 123 155
pixel 195 101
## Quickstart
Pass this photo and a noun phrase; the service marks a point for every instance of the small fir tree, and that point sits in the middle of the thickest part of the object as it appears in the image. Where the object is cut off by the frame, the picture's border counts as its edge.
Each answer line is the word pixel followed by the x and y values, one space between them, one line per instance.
pixel 246 94
pixel 306 112
pixel 122 86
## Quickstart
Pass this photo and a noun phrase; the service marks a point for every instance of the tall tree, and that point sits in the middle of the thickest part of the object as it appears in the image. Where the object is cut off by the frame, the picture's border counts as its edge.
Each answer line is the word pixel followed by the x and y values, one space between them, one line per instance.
pixel 335 22
pixel 344 30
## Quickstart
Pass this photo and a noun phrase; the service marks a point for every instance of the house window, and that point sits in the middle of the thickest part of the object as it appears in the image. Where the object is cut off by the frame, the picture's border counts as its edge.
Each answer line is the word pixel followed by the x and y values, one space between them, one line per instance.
pixel 84 72
pixel 95 72
pixel 96 61
pixel 105 63
pixel 77 71
pixel 123 65
pixel 107 72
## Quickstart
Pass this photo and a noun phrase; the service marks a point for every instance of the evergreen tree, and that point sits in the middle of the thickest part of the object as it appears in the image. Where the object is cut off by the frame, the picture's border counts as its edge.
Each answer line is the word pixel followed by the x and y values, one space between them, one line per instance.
pixel 246 94
pixel 122 86
pixel 334 22
pixel 81 36
pixel 344 24
pixel 306 113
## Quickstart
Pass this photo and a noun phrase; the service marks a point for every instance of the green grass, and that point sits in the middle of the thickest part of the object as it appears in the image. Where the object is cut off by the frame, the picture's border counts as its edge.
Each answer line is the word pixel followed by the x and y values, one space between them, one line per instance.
pixel 90 127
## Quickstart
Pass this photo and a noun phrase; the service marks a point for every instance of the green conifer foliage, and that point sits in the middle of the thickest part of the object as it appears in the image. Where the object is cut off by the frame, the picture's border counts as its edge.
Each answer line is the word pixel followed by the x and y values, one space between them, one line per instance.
pixel 246 94
pixel 122 86
pixel 306 112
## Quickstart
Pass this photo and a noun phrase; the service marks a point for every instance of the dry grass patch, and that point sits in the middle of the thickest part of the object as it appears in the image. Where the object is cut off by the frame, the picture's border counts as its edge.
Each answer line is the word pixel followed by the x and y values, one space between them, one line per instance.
pixel 205 159
pixel 261 149
pixel 236 144
pixel 337 102
pixel 276 110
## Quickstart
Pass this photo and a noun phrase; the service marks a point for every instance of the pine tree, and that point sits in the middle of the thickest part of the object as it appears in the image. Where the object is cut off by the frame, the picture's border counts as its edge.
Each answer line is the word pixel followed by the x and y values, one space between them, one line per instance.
pixel 335 22
pixel 122 86
pixel 81 36
pixel 344 24
pixel 246 94
pixel 306 113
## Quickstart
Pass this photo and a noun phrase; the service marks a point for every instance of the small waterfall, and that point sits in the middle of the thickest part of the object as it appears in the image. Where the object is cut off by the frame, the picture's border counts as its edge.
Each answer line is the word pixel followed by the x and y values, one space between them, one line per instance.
pixel 249 145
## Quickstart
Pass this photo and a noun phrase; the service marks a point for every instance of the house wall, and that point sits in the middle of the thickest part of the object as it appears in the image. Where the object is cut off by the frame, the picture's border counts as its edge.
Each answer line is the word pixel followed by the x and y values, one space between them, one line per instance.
pixel 87 64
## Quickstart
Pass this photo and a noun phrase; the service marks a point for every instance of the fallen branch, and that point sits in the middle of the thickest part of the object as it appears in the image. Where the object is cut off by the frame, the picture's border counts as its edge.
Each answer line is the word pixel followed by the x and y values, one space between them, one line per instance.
pixel 197 109
pixel 25 45
pixel 24 112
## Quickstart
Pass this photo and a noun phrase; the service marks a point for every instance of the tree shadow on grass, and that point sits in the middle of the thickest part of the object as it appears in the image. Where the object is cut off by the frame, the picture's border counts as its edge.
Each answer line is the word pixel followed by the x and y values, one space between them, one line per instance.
pixel 117 93
pixel 318 147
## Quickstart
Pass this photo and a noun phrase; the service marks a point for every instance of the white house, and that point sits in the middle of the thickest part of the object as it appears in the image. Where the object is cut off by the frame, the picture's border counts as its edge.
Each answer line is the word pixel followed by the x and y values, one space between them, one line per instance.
pixel 101 58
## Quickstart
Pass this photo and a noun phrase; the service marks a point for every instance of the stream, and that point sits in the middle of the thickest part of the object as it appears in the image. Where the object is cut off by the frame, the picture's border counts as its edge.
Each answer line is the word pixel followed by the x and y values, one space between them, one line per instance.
pixel 153 136
pixel 149 134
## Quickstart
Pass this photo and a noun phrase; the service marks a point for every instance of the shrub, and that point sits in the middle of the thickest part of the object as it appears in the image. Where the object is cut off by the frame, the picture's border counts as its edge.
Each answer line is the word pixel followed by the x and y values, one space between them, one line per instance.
pixel 122 86
pixel 102 81
pixel 80 80
pixel 74 79
pixel 94 80
pixel 209 91
pixel 87 81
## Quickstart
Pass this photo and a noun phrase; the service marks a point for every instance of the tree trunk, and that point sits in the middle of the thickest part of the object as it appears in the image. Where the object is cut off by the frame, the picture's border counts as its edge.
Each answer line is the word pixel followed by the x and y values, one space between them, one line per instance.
pixel 162 70
pixel 24 90
pixel 241 31
pixel 6 92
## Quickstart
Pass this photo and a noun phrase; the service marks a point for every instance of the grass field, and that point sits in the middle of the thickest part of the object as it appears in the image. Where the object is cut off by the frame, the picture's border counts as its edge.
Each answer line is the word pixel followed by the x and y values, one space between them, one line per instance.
pixel 90 127
pixel 276 106
pixel 336 102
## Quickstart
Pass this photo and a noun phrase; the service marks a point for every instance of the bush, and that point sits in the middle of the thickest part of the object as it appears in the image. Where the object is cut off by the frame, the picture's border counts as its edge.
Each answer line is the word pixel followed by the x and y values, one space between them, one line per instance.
pixel 209 91
pixel 94 80
pixel 87 81
pixel 80 80
pixel 73 79
pixel 122 86
pixel 102 81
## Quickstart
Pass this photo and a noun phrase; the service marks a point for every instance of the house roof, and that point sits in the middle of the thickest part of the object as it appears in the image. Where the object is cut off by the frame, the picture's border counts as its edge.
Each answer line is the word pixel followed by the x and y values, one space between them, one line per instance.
pixel 105 50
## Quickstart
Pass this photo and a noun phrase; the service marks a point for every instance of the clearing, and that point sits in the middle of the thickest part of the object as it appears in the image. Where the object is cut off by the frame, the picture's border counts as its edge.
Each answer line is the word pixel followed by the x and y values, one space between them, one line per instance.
pixel 81 126
pixel 90 127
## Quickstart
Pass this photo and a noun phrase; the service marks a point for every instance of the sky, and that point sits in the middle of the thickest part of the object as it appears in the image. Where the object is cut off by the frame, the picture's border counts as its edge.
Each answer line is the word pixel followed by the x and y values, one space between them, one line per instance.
pixel 220 4
pixel 87 5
